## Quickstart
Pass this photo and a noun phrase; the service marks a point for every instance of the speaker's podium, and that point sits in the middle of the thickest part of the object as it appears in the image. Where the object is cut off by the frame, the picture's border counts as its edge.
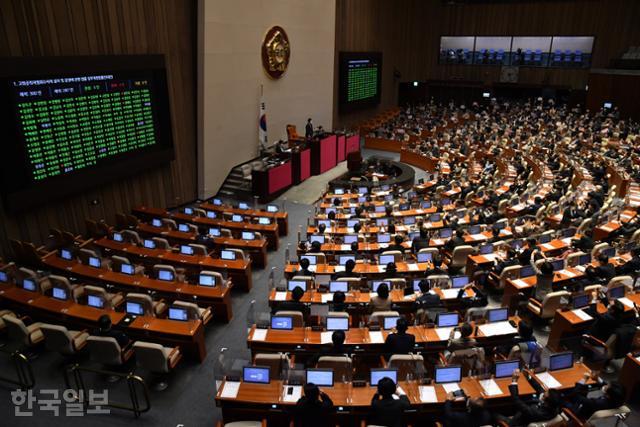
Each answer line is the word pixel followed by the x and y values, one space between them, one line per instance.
pixel 272 180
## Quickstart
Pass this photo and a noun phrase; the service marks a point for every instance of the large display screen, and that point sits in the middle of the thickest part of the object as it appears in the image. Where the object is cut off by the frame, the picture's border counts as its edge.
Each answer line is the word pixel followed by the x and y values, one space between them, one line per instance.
pixel 360 79
pixel 76 122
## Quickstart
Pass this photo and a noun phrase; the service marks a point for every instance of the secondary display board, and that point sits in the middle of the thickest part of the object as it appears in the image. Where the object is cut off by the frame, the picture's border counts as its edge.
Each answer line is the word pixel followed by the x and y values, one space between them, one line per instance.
pixel 73 123
pixel 360 79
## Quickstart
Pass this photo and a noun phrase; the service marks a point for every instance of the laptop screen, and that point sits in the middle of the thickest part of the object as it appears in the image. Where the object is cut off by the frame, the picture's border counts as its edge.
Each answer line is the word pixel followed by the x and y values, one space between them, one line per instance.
pixel 66 254
pixel 228 255
pixel 254 374
pixel 320 377
pixel 176 313
pixel 390 322
pixel 59 293
pixel 448 374
pixel 569 232
pixel 156 222
pixel 337 323
pixel 344 258
pixel 186 250
pixel 526 271
pixel 558 264
pixel 188 211
pixel 134 308
pixel 243 205
pixel 350 238
pixel 248 235
pixel 117 237
pixel 609 252
pixel 517 244
pixel 447 319
pixel 211 214
pixel 94 262
pixel 335 286
pixel 378 374
pixel 376 284
pixel 312 259
pixel 95 301
pixel 544 238
pixel 272 208
pixel 580 301
pixel 486 249
pixel 183 227
pixel 292 284
pixel 445 233
pixel 386 259
pixel 165 275
pixel 459 281
pixel 29 285
pixel 384 238
pixel 264 221
pixel 425 257
pixel 127 269
pixel 505 368
pixel 434 217
pixel 497 315
pixel 149 244
pixel 317 238
pixel 217 202
pixel 237 218
pixel 426 204
pixel 560 361
pixel 206 280
pixel 616 292
pixel 215 232
pixel 282 322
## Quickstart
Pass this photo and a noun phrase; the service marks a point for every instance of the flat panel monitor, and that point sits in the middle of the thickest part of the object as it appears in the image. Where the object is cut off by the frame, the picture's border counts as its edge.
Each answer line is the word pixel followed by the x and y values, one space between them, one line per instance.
pixel 312 259
pixel 350 238
pixel 352 222
pixel 435 217
pixel 386 259
pixel 156 222
pixel 382 222
pixel 178 313
pixel 335 286
pixel 95 262
pixel 389 322
pixel 380 209
pixel 59 293
pixel 134 308
pixel 581 300
pixel 425 256
pixel 561 361
pixel 497 315
pixel 384 238
pixel 363 190
pixel 505 368
pixel 292 284
pixel 211 214
pixel 272 208
pixel 448 374
pixel 616 292
pixel 558 264
pixel 526 271
pixel 186 250
pixel 459 281
pixel 337 323
pixel 165 275
pixel 325 222
pixel 338 191
pixel 609 252
pixel 445 233
pixel 379 373
pixel 3 277
pixel 215 232
pixel 585 259
pixel 317 238
pixel 127 269
pixel 243 205
pixel 282 322
pixel 264 221
pixel 607 105
pixel 188 211
pixel 184 228
pixel 248 235
pixel 217 202
pixel 227 255
pixel 445 320
pixel 117 237
pixel 95 301
pixel 66 254
pixel 486 249
pixel 206 280
pixel 376 284
pixel 320 377
pixel 344 258
pixel 149 244
pixel 255 374
pixel 237 218
pixel 409 220
pixel 29 285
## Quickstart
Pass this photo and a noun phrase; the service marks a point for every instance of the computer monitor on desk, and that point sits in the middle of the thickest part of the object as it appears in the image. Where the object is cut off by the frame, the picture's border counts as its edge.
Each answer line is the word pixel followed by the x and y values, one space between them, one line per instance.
pixel 29 284
pixel 317 238
pixel 165 275
pixel 390 322
pixel 337 323
pixel 375 284
pixel 561 361
pixel 616 292
pixel 384 238
pixel 505 368
pixel 282 322
pixel 425 257
pixel 272 208
pixel 60 294
pixel 134 308
pixel 184 228
pixel 95 301
pixel 386 259
pixel 186 250
pixel 149 244
pixel 227 255
pixel 581 300
pixel 446 320
pixel 255 374
pixel 65 254
pixel 336 286
pixel 3 277
pixel 248 235
pixel 127 269
pixel 448 374
pixel 95 262
pixel 459 281
pixel 350 238
pixel 312 259
pixel 292 284
pixel 320 377
pixel 178 313
pixel 497 315
pixel 344 258
pixel 378 374
pixel 215 232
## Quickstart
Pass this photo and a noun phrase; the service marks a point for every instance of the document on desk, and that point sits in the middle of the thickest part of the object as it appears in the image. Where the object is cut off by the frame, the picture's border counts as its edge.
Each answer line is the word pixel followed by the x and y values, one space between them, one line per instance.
pixel 325 337
pixel 570 274
pixel 520 283
pixel 547 246
pixel 477 237
pixel 413 267
pixel 345 247
pixel 581 314
pixel 490 387
pixel 548 380
pixel 291 393
pixel 281 296
pixel 428 394
pixel 230 389
pixel 259 334
pixel 326 297
pixel 313 268
pixel 490 257
pixel 444 333
pixel 451 387
pixel 438 242
pixel 375 337
pixel 497 328
pixel 626 301
pixel 339 268
pixel 450 293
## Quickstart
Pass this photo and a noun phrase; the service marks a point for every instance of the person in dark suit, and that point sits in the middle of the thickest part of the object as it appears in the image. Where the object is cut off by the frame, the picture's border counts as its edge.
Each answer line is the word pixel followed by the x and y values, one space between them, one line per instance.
pixel 603 272
pixel 387 409
pixel 105 330
pixel 474 415
pixel 313 409
pixel 524 258
pixel 420 242
pixel 304 268
pixel 400 342
pixel 510 260
pixel 606 324
pixel 464 342
pixel 308 129
pixel 337 348
pixel 455 241
pixel 348 270
pixel 396 246
pixel 437 267
pixel 542 409
pixel 427 300
pixel 613 396
pixel 632 265
pixel 294 304
pixel 570 214
pixel 584 243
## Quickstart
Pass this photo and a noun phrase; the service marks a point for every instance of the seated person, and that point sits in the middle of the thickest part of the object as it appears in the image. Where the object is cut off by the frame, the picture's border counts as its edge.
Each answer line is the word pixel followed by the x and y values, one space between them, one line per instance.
pixel 584 243
pixel 421 241
pixel 380 302
pixel 400 342
pixel 348 270
pixel 529 247
pixel 475 413
pixel 313 409
pixel 479 299
pixel 304 268
pixel 105 330
pixel 511 259
pixel 631 266
pixel 437 267
pixel 603 272
pixel 542 409
pixel 427 299
pixel 544 280
pixel 294 305
pixel 338 303
pixel 336 348
pixel 464 342
pixel 457 240
pixel 613 396
pixel 606 324
pixel 387 407
pixel 396 246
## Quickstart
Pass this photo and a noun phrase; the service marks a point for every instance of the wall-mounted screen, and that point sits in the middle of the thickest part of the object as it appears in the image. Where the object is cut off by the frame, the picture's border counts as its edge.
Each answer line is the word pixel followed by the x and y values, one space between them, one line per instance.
pixel 360 79
pixel 71 123
pixel 527 51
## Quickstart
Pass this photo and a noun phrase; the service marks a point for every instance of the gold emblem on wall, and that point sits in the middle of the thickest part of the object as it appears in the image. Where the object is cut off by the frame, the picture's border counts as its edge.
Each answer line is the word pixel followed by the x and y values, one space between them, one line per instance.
pixel 276 52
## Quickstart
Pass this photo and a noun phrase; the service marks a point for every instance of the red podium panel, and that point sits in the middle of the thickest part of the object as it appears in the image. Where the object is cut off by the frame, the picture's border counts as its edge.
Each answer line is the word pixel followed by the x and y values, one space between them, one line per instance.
pixel 280 177
pixel 342 143
pixel 353 144
pixel 305 164
pixel 327 153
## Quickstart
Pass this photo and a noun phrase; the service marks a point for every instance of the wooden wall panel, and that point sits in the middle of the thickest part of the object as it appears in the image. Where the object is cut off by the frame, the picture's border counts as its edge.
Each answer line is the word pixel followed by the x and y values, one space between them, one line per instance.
pixel 113 27
pixel 408 33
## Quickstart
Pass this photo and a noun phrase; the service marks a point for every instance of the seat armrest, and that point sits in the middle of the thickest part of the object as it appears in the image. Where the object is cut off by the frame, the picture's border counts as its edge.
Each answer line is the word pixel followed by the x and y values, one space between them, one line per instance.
pixel 594 341
pixel 442 359
pixel 572 417
pixel 173 362
pixel 535 302
pixel 292 361
pixel 84 331
pixel 127 352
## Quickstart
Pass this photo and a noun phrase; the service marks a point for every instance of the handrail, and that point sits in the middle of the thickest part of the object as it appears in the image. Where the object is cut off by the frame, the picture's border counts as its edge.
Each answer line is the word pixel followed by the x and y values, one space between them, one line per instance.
pixel 76 371
pixel 26 380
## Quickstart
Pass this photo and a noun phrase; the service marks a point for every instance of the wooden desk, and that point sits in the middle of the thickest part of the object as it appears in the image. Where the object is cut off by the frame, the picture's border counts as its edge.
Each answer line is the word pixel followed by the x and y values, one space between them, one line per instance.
pixel 365 269
pixel 513 286
pixel 566 377
pixel 257 249
pixel 239 270
pixel 282 218
pixel 219 297
pixel 188 335
pixel 603 231
pixel 630 374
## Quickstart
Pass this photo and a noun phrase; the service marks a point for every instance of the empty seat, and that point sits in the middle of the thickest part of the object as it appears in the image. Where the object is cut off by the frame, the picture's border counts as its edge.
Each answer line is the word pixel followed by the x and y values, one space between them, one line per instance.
pixel 194 312
pixel 157 359
pixel 27 336
pixel 59 339
pixel 397 255
pixel 377 317
pixel 278 364
pixel 342 366
pixel 110 300
pixel 149 306
pixel 297 317
pixel 161 243
pixel 407 364
pixel 107 351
